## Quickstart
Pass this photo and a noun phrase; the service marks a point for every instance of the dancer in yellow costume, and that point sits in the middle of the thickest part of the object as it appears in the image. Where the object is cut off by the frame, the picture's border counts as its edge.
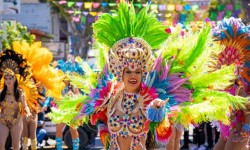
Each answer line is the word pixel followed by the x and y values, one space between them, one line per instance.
pixel 12 99
pixel 43 75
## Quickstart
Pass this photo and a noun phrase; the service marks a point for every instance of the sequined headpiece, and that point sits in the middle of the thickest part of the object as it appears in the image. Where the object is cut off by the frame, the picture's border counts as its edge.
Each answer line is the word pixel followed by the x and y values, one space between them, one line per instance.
pixel 133 53
pixel 130 37
pixel 10 67
pixel 12 63
pixel 8 72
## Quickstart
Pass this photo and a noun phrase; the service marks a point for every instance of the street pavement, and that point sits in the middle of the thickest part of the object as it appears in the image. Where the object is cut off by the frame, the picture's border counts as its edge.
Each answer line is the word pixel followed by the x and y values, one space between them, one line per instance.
pixel 98 145
pixel 50 144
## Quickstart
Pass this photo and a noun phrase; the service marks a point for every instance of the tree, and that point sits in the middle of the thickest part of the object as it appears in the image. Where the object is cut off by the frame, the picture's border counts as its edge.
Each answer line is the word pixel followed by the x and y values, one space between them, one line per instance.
pixel 14 32
pixel 80 32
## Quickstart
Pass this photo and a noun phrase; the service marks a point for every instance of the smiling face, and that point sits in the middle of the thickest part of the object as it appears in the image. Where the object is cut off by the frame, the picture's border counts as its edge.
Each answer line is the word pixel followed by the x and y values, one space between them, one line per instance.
pixel 132 80
pixel 9 80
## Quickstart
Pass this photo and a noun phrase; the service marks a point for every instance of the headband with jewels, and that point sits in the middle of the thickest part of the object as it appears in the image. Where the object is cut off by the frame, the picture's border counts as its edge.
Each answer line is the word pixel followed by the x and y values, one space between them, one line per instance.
pixel 130 37
pixel 8 72
pixel 133 53
pixel 12 63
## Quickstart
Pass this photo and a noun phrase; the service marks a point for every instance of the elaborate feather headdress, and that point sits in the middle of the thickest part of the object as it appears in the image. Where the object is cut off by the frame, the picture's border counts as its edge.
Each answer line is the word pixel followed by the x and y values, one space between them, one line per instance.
pixel 130 37
pixel 234 35
pixel 12 63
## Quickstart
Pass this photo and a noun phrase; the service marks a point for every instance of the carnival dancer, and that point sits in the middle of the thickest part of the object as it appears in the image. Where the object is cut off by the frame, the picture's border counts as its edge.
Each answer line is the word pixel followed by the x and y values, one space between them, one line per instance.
pixel 12 98
pixel 67 67
pixel 43 74
pixel 209 102
pixel 233 35
pixel 126 111
pixel 125 107
pixel 29 131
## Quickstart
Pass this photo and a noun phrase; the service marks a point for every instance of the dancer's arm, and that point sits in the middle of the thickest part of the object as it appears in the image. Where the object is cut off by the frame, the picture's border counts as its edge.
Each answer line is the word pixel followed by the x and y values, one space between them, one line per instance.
pixel 24 105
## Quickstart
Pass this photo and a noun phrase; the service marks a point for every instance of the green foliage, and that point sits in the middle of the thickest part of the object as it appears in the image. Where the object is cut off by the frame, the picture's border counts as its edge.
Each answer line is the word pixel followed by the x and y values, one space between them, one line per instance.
pixel 16 32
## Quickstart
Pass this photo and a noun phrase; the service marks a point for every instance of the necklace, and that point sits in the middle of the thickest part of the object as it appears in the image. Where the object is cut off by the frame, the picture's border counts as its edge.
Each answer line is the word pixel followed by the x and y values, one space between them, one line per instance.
pixel 129 101
pixel 9 93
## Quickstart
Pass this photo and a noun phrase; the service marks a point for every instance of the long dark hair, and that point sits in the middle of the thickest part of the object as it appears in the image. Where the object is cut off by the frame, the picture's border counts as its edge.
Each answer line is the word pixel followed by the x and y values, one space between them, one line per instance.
pixel 150 143
pixel 16 92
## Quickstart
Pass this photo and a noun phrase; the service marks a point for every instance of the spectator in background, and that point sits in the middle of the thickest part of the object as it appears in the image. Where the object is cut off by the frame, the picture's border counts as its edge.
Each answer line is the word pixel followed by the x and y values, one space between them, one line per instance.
pixel 186 140
pixel 40 131
pixel 210 138
pixel 199 137
pixel 43 102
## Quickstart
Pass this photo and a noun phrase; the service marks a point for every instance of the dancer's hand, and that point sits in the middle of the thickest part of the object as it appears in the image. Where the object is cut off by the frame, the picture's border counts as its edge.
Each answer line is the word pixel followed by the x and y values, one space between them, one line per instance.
pixel 158 103
pixel 28 116
pixel 28 113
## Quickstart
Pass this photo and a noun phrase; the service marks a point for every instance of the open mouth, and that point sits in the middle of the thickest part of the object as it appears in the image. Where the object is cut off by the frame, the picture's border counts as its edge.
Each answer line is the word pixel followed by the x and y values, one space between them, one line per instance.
pixel 133 81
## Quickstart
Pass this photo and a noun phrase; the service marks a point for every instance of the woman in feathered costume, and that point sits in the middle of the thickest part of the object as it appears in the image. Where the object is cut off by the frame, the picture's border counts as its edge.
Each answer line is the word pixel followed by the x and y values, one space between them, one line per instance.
pixel 43 75
pixel 233 35
pixel 12 98
pixel 137 100
pixel 38 58
pixel 126 106
pixel 208 101
pixel 68 67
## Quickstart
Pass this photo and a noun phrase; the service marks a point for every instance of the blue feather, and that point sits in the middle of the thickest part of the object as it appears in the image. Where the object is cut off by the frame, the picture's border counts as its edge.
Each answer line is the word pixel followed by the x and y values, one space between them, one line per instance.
pixel 156 115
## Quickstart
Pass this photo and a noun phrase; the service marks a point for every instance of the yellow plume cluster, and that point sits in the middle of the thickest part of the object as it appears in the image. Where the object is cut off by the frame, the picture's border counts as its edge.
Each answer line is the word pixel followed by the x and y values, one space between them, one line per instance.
pixel 39 59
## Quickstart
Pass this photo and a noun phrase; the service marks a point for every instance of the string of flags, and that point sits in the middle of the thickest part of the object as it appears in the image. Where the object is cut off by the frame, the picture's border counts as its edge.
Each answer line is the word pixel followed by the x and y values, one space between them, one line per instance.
pixel 192 11
pixel 160 7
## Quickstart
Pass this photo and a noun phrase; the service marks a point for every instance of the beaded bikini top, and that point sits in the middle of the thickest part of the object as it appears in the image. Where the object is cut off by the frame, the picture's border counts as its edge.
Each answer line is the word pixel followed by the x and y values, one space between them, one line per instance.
pixel 126 117
pixel 10 111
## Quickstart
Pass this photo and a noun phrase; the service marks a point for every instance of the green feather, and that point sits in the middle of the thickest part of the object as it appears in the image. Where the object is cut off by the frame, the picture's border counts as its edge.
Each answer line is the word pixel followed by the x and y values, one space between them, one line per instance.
pixel 124 23
pixel 67 112
pixel 219 79
pixel 198 48
pixel 207 106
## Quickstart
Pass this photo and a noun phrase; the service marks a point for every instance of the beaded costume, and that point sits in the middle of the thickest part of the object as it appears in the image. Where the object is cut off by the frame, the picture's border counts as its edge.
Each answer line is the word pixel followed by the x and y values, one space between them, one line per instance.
pixel 10 116
pixel 13 105
pixel 234 36
pixel 8 63
pixel 175 76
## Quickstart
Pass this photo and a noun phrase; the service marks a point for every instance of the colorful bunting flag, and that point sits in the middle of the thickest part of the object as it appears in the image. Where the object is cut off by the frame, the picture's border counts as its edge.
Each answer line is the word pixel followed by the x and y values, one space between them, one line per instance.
pixel 112 4
pixel 104 4
pixel 187 7
pixel 93 13
pixel 96 4
pixel 85 13
pixel 62 2
pixel 162 7
pixel 178 7
pixel 170 7
pixel 70 4
pixel 79 4
pixel 83 19
pixel 154 6
pixel 88 5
